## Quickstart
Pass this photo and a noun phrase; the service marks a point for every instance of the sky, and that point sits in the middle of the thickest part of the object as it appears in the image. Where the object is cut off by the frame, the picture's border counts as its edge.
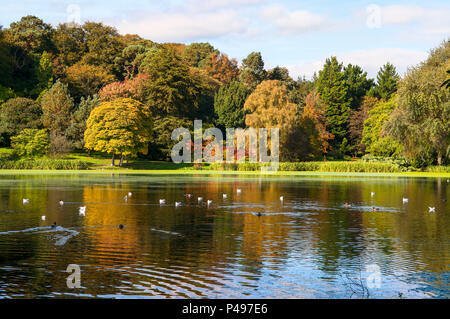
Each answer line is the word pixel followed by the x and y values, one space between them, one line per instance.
pixel 295 34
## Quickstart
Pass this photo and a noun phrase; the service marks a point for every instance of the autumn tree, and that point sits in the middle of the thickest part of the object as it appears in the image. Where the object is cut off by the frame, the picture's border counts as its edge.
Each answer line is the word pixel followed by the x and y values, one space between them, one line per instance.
pixel 356 122
pixel 32 34
pixel 229 105
pixel 129 88
pixel 85 80
pixel 118 127
pixel 196 54
pixel 421 123
pixel 70 42
pixel 18 114
pixel 221 68
pixel 57 105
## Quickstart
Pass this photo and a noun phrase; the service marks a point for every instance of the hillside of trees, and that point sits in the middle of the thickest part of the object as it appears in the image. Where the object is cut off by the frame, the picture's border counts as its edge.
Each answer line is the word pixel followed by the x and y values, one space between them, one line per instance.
pixel 87 87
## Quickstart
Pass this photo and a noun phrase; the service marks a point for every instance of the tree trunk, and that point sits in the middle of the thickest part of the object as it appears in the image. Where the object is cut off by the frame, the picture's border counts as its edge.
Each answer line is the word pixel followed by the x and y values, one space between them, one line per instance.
pixel 439 158
pixel 121 160
pixel 112 161
pixel 89 152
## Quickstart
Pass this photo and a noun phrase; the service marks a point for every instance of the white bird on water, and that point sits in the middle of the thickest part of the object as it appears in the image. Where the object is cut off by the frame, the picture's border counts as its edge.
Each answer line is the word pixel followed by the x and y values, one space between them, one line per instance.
pixel 25 201
pixel 82 211
pixel 431 209
pixel 239 190
pixel 162 201
pixel 281 198
pixel 61 202
pixel 209 202
pixel 125 198
pixel 200 199
pixel 43 217
pixel 372 194
pixel 188 195
pixel 224 196
pixel 177 204
pixel 405 200
pixel 130 194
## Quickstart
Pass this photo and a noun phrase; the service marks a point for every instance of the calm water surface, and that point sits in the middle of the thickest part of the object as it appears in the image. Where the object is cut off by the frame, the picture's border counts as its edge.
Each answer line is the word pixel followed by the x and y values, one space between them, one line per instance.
pixel 308 246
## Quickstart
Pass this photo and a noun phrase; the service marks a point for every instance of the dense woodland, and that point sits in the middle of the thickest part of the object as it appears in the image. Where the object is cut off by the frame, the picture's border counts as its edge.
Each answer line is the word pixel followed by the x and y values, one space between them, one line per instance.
pixel 87 87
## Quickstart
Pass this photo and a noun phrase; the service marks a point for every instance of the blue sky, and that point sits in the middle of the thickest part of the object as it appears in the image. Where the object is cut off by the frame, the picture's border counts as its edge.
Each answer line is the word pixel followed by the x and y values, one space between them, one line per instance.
pixel 297 34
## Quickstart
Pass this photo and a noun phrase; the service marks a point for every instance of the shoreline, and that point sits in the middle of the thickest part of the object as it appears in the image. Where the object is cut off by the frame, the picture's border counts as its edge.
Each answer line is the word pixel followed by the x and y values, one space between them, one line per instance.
pixel 211 172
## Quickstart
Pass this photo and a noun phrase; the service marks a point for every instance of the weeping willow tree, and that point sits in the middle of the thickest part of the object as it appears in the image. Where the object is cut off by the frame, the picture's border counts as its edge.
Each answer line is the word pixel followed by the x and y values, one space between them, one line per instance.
pixel 421 122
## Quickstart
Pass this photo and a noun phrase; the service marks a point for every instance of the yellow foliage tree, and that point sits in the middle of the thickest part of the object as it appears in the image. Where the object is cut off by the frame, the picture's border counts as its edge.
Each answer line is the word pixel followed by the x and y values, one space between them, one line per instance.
pixel 118 127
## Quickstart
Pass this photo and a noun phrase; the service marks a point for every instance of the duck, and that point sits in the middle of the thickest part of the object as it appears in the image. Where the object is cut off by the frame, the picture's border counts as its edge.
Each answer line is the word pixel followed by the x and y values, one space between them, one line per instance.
pixel 54 225
pixel 177 204
pixel 188 195
pixel 238 190
pixel 405 200
pixel 130 194
pixel 162 201
pixel 120 226
pixel 125 198
pixel 224 196
pixel 281 198
pixel 259 214
pixel 200 199
pixel 431 209
pixel 209 202
pixel 372 194
pixel 374 209
pixel 61 202
pixel 25 201
pixel 347 204
pixel 82 211
pixel 43 217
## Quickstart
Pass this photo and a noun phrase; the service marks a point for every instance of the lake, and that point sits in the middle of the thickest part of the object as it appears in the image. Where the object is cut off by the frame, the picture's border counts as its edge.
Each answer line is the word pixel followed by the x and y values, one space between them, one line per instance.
pixel 248 245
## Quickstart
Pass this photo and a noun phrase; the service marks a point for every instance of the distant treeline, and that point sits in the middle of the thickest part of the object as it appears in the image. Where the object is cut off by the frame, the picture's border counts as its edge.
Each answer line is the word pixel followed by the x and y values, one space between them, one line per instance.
pixel 52 78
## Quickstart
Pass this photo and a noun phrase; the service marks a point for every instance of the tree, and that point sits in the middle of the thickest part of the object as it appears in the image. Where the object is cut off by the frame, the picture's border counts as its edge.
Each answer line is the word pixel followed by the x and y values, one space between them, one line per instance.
pixel 281 74
pixel 129 88
pixel 44 74
pixel 387 80
pixel 446 83
pixel 229 105
pixel 170 89
pixel 32 34
pixel 358 85
pixel 57 106
pixel 75 132
pixel 121 126
pixel 128 62
pixel 85 80
pixel 17 114
pixel 221 68
pixel 196 54
pixel 421 123
pixel 333 91
pixel 356 122
pixel 70 42
pixel 374 138
pixel 31 142
pixel 252 70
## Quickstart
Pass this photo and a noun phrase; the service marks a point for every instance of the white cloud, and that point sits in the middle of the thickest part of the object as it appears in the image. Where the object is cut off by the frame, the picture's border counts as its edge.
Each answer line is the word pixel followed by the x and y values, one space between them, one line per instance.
pixel 369 60
pixel 215 4
pixel 184 26
pixel 298 21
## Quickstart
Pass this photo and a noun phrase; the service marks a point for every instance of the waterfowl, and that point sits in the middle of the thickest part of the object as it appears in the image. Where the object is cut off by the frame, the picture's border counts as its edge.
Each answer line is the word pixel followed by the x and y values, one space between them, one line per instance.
pixel 374 209
pixel 431 209
pixel 258 214
pixel 177 204
pixel 162 201
pixel 281 198
pixel 347 204
pixel 54 225
pixel 372 194
pixel 125 198
pixel 405 200
pixel 200 199
pixel 188 195
pixel 238 190
pixel 209 202
pixel 120 226
pixel 61 202
pixel 25 201
pixel 224 196
pixel 82 211
pixel 130 194
pixel 43 217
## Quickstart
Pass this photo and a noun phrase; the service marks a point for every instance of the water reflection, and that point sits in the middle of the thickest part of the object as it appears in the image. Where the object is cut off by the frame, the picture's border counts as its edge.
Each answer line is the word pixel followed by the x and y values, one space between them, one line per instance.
pixel 248 245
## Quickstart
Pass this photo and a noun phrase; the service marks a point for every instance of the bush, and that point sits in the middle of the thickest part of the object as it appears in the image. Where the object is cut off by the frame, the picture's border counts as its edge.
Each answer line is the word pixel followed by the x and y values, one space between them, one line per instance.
pixel 30 143
pixel 44 163
pixel 59 144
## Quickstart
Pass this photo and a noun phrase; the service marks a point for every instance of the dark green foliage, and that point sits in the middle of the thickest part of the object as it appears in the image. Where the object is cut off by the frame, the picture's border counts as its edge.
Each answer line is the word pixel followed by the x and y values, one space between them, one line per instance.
pixel 75 132
pixel 333 91
pixel 43 163
pixel 229 105
pixel 17 114
pixel 196 54
pixel 252 70
pixel 358 85
pixel 387 81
